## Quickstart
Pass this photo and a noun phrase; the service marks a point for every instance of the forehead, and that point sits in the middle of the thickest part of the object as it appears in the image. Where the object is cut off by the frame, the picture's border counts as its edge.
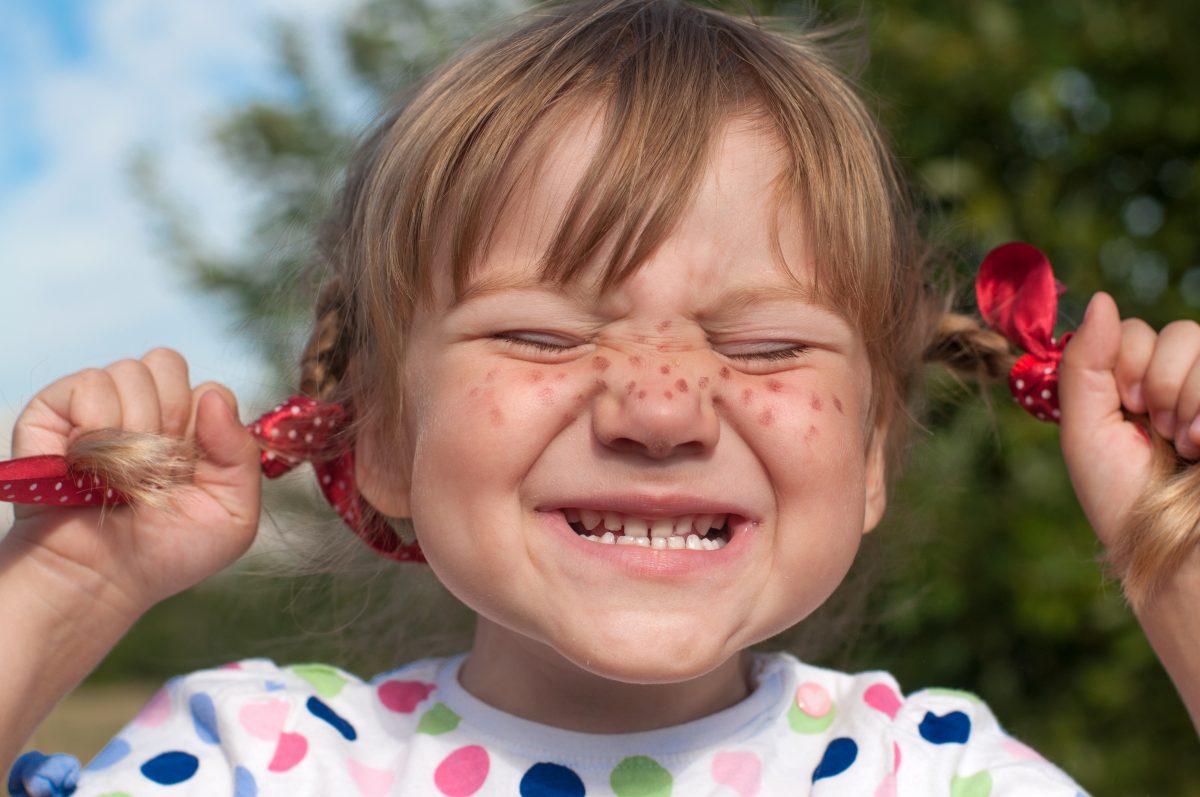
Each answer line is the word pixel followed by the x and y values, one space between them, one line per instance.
pixel 738 227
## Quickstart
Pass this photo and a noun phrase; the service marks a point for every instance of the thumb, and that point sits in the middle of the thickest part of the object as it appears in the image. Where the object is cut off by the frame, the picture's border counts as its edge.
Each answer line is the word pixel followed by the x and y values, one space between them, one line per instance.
pixel 1087 385
pixel 225 442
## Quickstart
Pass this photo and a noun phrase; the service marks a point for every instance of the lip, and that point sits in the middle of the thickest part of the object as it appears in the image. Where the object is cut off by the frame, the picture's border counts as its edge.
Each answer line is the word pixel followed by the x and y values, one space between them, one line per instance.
pixel 651 507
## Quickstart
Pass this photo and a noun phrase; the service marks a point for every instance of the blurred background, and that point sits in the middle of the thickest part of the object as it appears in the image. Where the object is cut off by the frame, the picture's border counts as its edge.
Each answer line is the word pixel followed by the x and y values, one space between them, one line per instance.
pixel 162 167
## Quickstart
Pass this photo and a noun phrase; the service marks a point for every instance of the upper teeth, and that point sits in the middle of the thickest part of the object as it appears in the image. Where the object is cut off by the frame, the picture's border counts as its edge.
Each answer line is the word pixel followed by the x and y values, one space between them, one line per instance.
pixel 640 527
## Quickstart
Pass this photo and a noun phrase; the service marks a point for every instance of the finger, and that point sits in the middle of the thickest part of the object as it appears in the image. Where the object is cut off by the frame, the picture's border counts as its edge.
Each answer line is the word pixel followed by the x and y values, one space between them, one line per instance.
pixel 140 411
pixel 1177 348
pixel 77 403
pixel 1137 345
pixel 1088 394
pixel 170 372
pixel 197 394
pixel 1187 437
pixel 220 434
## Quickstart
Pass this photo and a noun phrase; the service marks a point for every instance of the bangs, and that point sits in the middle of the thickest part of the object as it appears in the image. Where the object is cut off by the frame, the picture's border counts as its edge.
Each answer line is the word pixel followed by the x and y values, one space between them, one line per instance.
pixel 668 77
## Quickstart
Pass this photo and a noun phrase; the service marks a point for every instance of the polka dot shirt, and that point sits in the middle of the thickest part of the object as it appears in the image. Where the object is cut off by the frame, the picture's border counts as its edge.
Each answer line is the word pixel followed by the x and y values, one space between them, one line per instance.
pixel 255 728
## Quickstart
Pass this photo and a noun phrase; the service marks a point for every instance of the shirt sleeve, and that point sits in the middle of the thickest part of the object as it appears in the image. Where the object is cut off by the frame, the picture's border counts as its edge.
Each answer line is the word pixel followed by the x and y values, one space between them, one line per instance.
pixel 177 744
pixel 949 743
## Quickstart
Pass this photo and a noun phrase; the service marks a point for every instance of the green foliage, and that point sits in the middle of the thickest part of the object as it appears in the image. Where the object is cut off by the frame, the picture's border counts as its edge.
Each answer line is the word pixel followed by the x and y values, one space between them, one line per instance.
pixel 1073 125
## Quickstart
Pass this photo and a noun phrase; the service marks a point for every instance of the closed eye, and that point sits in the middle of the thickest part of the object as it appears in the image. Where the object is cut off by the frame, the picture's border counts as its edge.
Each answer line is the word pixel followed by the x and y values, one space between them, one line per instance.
pixel 534 340
pixel 791 352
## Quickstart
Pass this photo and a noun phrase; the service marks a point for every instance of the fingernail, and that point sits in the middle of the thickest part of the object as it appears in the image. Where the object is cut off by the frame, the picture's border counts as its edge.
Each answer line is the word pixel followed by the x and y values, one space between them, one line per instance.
pixel 1193 432
pixel 1164 422
pixel 1137 401
pixel 1186 448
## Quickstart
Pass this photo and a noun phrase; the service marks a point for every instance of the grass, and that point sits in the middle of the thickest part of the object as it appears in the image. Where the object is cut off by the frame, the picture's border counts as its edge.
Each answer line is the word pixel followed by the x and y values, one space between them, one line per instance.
pixel 89 718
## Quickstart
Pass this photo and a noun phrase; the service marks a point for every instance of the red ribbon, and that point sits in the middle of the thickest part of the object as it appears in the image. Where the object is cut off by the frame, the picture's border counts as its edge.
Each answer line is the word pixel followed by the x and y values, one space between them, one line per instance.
pixel 1018 297
pixel 299 430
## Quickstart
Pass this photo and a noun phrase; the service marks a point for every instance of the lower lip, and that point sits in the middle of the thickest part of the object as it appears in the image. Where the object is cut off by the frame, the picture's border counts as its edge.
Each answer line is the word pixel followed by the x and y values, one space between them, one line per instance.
pixel 651 562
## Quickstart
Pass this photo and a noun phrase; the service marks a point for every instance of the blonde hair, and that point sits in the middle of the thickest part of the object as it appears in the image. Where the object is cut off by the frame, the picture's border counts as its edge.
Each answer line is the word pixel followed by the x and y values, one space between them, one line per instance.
pixel 430 180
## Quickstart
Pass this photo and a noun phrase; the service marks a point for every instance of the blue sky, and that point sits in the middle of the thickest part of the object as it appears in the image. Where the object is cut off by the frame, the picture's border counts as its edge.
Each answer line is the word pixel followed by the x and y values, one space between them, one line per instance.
pixel 83 85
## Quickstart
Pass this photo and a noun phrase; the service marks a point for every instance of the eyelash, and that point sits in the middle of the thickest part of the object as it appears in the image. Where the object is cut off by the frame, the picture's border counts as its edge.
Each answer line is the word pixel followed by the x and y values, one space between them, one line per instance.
pixel 791 353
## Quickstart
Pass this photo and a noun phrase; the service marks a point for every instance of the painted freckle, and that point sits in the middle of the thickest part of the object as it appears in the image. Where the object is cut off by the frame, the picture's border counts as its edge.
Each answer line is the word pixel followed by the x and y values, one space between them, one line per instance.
pixel 629 388
pixel 747 395
pixel 703 382
pixel 816 402
pixel 724 372
pixel 640 338
pixel 474 392
pixel 681 385
pixel 560 376
pixel 496 416
pixel 811 434
pixel 490 376
pixel 536 376
pixel 837 404
pixel 546 396
pixel 635 361
pixel 600 363
pixel 641 394
pixel 668 394
pixel 664 325
pixel 664 369
pixel 766 417
pixel 774 385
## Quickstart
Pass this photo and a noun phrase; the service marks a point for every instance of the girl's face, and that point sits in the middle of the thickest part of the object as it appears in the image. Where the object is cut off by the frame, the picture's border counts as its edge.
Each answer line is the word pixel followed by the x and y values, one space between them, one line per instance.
pixel 707 384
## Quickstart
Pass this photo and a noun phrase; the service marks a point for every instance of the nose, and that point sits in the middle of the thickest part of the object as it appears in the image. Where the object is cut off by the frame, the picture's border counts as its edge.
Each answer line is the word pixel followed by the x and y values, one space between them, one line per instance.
pixel 658 415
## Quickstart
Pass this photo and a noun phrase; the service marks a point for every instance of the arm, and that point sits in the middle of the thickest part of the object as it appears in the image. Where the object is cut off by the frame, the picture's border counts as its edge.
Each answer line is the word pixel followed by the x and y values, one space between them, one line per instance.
pixel 71 582
pixel 1111 367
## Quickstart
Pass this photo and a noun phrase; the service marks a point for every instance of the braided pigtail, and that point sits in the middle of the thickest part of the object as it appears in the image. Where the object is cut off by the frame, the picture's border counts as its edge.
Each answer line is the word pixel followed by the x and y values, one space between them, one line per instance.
pixel 1163 525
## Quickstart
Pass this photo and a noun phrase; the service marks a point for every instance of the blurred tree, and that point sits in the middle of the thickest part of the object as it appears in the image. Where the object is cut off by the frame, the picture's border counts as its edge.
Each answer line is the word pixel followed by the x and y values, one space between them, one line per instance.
pixel 1072 124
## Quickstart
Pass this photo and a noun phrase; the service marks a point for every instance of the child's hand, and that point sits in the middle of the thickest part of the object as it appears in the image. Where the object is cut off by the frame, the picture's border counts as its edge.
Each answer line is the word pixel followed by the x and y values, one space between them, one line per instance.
pixel 1111 363
pixel 136 559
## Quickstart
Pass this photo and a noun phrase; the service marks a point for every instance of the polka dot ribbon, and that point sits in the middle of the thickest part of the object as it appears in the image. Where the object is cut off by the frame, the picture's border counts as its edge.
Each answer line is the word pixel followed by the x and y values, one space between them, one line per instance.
pixel 1018 297
pixel 299 430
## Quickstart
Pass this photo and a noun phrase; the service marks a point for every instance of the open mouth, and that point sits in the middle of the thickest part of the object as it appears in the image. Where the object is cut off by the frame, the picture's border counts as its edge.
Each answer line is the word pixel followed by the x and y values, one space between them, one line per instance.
pixel 685 532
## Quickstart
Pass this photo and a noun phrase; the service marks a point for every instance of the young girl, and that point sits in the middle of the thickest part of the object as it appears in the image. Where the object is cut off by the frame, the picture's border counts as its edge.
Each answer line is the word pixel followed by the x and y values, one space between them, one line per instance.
pixel 624 310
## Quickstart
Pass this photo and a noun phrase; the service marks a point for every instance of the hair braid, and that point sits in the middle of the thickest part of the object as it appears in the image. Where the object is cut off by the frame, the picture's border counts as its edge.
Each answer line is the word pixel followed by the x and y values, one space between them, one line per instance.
pixel 327 354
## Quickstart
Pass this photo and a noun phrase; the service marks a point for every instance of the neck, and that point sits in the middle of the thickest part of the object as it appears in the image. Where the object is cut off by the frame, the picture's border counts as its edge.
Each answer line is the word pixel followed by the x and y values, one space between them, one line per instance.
pixel 530 680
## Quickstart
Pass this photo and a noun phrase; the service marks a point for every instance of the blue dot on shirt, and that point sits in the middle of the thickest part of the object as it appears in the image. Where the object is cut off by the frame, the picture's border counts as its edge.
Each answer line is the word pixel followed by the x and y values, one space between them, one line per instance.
pixel 171 768
pixel 952 728
pixel 204 717
pixel 243 783
pixel 551 780
pixel 839 755
pixel 113 752
pixel 321 711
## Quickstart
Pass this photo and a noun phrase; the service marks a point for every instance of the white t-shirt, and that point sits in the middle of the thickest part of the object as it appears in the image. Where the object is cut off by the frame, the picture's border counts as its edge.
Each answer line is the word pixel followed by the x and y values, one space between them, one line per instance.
pixel 255 729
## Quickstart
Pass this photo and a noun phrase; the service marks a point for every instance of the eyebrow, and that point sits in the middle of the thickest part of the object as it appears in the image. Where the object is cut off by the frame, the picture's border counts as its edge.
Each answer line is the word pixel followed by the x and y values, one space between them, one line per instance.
pixel 493 285
pixel 740 299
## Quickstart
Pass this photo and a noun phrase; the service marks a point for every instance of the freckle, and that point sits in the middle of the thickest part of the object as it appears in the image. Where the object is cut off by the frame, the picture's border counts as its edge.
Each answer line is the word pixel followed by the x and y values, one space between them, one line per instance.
pixel 580 398
pixel 629 388
pixel 490 376
pixel 724 372
pixel 811 434
pixel 641 394
pixel 536 376
pixel 664 369
pixel 474 392
pixel 766 417
pixel 497 416
pixel 837 404
pixel 663 326
pixel 747 395
pixel 774 385
pixel 703 382
pixel 635 361
pixel 598 386
pixel 600 363
pixel 560 376
pixel 681 386
pixel 816 403
pixel 546 396
pixel 663 346
pixel 668 394
pixel 640 338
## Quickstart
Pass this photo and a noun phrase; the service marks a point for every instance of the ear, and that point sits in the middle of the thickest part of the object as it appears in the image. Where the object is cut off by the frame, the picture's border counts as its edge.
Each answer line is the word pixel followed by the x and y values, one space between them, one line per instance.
pixel 876 480
pixel 385 485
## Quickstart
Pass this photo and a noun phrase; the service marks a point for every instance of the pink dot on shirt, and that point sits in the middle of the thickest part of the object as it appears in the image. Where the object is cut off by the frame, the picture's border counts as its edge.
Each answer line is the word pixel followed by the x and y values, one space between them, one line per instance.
pixel 813 699
pixel 739 770
pixel 156 711
pixel 463 772
pixel 882 697
pixel 371 782
pixel 403 696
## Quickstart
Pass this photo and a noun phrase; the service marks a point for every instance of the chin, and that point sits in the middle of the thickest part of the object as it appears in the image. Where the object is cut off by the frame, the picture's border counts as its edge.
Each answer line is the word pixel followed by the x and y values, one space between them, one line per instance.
pixel 641 652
